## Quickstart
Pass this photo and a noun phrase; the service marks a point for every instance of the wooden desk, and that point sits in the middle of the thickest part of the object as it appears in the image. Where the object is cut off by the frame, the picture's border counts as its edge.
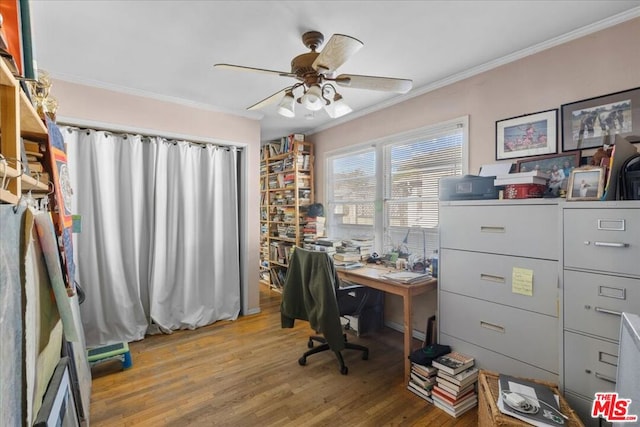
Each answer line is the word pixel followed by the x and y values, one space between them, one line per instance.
pixel 370 276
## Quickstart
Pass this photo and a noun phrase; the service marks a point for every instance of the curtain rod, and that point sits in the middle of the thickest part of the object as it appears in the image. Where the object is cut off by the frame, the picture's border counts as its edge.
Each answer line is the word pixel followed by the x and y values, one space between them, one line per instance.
pixel 147 134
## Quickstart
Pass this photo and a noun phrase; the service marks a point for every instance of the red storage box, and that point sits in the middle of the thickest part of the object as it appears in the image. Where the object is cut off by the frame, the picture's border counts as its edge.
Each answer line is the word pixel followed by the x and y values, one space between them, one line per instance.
pixel 524 191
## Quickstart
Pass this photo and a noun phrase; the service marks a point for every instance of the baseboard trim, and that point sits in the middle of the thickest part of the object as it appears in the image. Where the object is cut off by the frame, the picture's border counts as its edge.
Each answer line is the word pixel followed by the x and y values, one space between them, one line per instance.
pixel 398 327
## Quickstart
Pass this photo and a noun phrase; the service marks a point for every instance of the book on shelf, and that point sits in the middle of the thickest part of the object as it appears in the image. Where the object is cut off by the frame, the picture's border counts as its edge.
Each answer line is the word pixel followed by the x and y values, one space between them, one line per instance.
pixel 326 241
pixel 458 410
pixel 453 363
pixel 525 403
pixel 31 146
pixel 36 167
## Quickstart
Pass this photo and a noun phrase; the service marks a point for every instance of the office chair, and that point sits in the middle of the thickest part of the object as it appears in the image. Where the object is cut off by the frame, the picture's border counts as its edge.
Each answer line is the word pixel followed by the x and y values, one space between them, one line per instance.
pixel 311 292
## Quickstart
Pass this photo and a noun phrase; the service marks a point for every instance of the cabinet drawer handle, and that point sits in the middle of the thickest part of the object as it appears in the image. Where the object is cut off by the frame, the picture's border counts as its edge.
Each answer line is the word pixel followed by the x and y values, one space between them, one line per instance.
pixel 611 224
pixel 611 244
pixel 490 229
pixel 491 278
pixel 604 310
pixel 492 326
pixel 605 378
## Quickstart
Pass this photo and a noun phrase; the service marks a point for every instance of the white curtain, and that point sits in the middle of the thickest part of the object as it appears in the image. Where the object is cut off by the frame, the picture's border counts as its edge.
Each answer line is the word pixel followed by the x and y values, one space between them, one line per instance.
pixel 158 247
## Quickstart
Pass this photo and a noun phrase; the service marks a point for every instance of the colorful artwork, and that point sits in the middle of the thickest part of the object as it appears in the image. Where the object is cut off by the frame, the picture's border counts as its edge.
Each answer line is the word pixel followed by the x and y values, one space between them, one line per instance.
pixel 62 215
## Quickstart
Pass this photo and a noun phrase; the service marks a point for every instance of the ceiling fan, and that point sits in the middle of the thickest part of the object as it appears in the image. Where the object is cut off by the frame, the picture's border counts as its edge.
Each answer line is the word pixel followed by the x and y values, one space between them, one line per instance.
pixel 316 75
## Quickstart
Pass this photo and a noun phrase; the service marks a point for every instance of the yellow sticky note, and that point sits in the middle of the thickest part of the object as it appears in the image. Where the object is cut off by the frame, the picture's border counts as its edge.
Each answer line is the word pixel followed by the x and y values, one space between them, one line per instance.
pixel 522 281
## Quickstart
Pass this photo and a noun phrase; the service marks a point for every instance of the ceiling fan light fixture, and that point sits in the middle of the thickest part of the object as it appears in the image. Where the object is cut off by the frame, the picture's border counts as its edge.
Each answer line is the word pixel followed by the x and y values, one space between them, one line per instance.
pixel 338 107
pixel 312 98
pixel 286 107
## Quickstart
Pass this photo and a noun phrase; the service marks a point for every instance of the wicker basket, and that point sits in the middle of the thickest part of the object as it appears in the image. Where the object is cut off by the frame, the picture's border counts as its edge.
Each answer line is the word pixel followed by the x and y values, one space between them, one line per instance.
pixel 489 415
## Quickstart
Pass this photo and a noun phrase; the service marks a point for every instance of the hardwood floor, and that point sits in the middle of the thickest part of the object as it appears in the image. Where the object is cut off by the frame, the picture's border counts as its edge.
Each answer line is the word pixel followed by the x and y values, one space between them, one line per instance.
pixel 246 373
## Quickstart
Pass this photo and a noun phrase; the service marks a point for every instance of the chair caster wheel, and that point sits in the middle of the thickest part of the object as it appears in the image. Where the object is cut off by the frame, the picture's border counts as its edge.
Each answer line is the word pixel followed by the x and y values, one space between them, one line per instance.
pixel 302 361
pixel 365 355
pixel 310 344
pixel 344 370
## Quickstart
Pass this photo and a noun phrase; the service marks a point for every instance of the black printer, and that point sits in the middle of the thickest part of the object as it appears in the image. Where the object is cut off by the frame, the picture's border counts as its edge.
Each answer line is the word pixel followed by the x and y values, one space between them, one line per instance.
pixel 467 187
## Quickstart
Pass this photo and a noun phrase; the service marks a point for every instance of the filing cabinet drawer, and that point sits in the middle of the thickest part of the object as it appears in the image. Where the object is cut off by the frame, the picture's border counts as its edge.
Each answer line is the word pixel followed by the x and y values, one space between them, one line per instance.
pixel 503 329
pixel 509 229
pixel 590 364
pixel 593 303
pixel 489 277
pixel 602 240
pixel 496 362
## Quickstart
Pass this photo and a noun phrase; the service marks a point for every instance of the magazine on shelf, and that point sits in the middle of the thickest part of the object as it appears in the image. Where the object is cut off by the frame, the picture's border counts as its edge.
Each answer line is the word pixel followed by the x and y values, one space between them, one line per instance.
pixel 530 402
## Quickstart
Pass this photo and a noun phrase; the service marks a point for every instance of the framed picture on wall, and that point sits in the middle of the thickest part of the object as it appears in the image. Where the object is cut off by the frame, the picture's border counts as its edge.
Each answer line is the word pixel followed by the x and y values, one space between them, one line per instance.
pixel 596 121
pixel 529 135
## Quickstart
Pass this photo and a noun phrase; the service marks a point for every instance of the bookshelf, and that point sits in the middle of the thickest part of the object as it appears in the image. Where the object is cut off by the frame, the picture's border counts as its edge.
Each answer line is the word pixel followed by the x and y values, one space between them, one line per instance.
pixel 286 191
pixel 18 119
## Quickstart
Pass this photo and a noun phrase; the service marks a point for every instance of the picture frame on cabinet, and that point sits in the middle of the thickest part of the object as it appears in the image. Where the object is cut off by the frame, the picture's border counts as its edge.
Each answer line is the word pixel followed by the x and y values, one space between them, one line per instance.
pixel 564 161
pixel 594 122
pixel 586 183
pixel 528 135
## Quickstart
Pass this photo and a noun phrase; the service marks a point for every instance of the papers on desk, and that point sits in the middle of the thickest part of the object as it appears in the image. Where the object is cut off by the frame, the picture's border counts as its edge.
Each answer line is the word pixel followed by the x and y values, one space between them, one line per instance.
pixel 405 276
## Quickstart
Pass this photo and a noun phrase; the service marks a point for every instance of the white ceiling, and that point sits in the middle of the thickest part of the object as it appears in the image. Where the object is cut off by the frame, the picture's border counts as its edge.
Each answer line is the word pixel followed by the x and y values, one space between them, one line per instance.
pixel 166 49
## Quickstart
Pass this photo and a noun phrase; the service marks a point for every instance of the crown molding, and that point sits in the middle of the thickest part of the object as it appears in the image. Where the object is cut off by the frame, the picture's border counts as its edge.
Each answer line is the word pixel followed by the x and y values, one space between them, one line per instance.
pixel 454 78
pixel 68 78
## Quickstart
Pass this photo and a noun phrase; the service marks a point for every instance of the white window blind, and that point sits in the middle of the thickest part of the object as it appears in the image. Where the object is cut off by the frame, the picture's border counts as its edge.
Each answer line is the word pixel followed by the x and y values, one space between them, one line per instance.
pixel 352 193
pixel 399 175
pixel 412 171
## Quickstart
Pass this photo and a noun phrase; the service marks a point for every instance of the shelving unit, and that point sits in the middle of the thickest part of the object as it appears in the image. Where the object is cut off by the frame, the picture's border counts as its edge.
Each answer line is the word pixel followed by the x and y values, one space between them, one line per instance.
pixel 18 119
pixel 286 191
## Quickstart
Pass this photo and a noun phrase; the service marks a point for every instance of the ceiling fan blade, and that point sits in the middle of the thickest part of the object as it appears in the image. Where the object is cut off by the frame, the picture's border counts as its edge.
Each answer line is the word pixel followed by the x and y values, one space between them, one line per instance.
pixel 259 70
pixel 272 99
pixel 338 49
pixel 386 84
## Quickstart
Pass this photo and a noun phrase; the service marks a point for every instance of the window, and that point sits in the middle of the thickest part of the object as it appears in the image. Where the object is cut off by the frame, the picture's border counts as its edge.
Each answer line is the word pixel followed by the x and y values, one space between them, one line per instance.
pixel 389 190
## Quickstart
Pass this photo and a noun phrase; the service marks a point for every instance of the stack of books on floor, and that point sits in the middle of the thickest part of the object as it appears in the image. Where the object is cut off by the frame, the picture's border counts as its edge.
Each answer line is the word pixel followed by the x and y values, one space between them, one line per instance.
pixel 455 388
pixel 422 380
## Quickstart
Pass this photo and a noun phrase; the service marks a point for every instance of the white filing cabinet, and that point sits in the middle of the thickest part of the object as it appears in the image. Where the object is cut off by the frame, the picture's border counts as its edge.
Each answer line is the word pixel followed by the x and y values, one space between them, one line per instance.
pixel 600 280
pixel 482 244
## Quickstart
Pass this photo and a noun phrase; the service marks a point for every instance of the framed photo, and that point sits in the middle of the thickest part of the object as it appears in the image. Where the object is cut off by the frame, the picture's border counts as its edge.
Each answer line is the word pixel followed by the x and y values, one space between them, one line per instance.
pixel 58 406
pixel 565 161
pixel 596 121
pixel 558 166
pixel 528 135
pixel 586 183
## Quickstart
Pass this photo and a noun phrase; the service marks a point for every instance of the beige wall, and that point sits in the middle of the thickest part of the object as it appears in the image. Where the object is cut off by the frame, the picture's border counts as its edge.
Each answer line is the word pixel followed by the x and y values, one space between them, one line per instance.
pixel 82 104
pixel 603 62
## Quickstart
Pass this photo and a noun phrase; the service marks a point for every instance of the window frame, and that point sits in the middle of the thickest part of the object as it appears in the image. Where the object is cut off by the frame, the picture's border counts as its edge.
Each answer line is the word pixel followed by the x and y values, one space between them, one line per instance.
pixel 382 149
